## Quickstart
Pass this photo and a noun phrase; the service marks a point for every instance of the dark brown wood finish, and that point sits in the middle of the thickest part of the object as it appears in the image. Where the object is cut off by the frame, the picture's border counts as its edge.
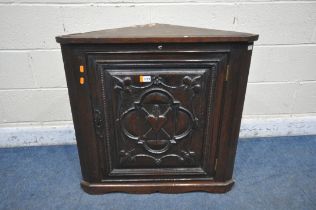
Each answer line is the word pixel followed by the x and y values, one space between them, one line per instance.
pixel 175 133
pixel 156 33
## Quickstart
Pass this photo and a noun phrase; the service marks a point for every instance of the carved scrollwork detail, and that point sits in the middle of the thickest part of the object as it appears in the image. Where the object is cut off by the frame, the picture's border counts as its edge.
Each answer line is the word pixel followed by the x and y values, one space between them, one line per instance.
pixel 99 123
pixel 132 156
pixel 125 84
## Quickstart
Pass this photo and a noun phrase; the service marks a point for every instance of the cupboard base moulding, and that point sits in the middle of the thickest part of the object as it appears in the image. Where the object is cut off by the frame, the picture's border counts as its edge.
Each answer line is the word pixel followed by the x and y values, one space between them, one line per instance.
pixel 153 187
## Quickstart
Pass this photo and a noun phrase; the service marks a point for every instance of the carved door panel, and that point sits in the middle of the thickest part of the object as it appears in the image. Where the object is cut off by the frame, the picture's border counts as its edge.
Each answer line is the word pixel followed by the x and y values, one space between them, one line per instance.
pixel 154 115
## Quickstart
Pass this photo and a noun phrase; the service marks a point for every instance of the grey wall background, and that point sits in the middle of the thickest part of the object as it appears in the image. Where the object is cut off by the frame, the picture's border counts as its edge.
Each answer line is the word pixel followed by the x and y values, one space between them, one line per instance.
pixel 282 82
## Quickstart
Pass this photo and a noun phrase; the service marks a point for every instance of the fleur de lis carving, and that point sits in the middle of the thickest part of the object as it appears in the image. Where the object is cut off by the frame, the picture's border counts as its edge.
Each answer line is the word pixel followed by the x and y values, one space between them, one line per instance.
pixel 192 83
pixel 123 84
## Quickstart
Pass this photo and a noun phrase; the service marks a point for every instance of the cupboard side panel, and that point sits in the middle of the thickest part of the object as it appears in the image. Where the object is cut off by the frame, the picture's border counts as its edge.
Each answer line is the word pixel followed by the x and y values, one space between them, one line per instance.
pixel 82 113
pixel 233 106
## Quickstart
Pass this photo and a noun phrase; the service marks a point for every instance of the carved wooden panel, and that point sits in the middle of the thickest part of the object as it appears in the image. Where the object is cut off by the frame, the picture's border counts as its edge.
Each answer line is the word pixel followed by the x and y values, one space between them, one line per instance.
pixel 156 121
pixel 155 126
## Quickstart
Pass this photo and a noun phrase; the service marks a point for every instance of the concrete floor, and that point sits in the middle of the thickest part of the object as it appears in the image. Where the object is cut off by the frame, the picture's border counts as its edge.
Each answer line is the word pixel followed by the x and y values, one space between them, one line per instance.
pixel 270 173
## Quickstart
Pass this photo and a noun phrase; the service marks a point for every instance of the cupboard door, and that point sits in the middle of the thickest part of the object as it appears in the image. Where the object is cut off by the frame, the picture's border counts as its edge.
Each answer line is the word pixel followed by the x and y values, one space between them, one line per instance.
pixel 155 116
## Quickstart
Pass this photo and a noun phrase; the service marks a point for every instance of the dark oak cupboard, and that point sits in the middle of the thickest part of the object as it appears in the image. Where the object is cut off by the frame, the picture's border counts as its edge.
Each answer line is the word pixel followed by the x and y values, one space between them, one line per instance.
pixel 157 108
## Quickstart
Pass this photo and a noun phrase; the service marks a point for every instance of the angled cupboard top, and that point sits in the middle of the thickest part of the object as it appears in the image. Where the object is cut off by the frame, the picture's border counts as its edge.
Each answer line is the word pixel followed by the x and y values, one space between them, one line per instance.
pixel 154 33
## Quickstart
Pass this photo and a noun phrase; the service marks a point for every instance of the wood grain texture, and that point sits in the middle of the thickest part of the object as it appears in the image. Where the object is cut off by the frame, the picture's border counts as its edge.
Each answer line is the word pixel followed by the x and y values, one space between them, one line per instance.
pixel 178 132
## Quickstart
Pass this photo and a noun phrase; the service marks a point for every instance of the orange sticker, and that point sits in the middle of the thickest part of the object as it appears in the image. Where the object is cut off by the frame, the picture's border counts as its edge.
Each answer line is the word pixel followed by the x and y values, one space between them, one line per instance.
pixel 81 80
pixel 81 69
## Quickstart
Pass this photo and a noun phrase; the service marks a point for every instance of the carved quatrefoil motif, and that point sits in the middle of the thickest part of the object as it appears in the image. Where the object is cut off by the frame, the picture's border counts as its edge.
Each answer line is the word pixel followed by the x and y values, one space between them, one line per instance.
pixel 158 112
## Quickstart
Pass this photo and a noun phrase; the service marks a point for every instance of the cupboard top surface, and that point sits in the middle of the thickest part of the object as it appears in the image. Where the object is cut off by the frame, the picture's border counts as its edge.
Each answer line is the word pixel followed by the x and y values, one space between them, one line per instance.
pixel 155 33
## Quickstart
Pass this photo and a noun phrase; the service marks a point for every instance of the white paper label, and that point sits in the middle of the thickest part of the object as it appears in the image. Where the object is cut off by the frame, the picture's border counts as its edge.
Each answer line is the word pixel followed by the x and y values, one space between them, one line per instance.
pixel 250 47
pixel 145 78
